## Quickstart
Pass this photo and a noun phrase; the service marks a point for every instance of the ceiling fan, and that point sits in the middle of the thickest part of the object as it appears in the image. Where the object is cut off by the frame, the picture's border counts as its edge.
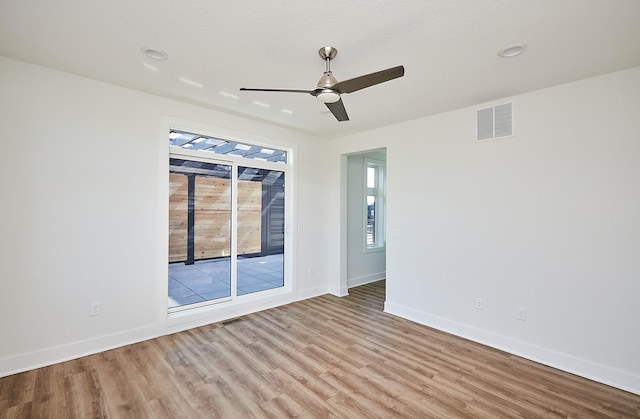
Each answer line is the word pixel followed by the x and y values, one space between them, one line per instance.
pixel 329 89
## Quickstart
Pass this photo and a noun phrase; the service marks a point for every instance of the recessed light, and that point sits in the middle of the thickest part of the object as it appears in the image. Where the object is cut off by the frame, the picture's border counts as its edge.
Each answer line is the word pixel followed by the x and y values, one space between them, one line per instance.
pixel 512 51
pixel 156 54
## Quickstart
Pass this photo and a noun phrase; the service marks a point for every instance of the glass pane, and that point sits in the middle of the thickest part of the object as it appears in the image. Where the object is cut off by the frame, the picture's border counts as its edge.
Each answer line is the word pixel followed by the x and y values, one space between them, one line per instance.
pixel 219 146
pixel 371 177
pixel 260 229
pixel 371 220
pixel 199 232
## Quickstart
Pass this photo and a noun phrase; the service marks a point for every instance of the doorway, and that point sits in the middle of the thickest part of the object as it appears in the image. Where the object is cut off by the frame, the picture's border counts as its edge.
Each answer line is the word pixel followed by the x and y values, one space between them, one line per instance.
pixel 366 217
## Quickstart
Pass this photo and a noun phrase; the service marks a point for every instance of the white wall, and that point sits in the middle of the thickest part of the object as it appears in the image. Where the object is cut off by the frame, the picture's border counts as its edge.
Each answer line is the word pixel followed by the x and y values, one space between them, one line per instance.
pixel 82 179
pixel 548 220
pixel 362 267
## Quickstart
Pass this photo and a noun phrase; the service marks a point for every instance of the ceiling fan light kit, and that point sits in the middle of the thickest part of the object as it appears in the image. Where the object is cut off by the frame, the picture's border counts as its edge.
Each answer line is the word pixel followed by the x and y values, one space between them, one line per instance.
pixel 328 89
pixel 328 96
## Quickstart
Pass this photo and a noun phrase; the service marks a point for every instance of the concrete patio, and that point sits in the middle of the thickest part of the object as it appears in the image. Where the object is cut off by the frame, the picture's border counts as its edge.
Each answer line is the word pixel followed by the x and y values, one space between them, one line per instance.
pixel 210 279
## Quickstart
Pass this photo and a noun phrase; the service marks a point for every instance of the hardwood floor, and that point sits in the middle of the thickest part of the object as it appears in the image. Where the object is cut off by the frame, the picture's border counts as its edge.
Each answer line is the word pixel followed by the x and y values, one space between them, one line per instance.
pixel 323 357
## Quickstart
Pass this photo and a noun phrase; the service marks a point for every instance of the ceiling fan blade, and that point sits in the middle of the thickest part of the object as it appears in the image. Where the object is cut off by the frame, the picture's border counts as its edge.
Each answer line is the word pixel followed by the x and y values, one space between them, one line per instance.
pixel 278 90
pixel 338 110
pixel 357 83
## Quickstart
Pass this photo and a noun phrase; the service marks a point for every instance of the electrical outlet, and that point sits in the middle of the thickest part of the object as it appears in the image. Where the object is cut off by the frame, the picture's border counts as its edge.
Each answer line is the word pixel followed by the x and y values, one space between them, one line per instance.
pixel 522 314
pixel 479 304
pixel 94 309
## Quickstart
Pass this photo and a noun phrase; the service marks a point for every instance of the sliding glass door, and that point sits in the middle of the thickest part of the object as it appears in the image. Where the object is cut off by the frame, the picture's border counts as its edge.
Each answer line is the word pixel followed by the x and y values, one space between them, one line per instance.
pixel 199 232
pixel 226 222
pixel 260 229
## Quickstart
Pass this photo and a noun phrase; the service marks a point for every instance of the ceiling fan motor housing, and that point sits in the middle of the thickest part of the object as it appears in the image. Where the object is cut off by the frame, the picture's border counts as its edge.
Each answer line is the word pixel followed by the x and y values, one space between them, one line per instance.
pixel 326 80
pixel 324 92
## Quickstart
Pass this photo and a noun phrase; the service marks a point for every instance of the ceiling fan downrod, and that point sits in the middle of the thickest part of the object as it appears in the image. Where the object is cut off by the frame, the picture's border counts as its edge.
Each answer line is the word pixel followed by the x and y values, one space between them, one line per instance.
pixel 327 54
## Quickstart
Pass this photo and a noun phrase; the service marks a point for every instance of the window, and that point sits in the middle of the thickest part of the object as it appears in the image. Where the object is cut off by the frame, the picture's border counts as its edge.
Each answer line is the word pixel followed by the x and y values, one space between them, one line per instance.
pixel 189 141
pixel 374 204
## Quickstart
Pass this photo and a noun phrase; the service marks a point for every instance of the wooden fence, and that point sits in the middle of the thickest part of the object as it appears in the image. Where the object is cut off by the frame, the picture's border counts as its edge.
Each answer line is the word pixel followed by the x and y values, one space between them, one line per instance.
pixel 212 216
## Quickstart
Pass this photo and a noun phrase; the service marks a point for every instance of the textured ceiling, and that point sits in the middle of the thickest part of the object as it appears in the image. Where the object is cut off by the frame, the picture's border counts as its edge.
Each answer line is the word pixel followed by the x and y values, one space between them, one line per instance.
pixel 448 48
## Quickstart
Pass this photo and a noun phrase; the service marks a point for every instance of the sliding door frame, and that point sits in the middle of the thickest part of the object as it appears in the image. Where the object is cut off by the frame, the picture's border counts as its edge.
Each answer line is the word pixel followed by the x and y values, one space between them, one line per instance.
pixel 238 304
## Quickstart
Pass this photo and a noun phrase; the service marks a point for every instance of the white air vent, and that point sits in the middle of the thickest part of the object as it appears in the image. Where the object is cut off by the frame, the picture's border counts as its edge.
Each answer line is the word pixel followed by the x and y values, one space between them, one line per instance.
pixel 495 122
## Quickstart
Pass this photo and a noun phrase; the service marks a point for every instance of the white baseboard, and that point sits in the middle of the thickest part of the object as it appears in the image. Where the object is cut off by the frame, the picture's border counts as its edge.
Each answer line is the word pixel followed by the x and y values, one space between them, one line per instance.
pixel 355 282
pixel 584 368
pixel 49 356
pixel 199 317
pixel 338 291
pixel 310 293
pixel 190 319
pixel 366 279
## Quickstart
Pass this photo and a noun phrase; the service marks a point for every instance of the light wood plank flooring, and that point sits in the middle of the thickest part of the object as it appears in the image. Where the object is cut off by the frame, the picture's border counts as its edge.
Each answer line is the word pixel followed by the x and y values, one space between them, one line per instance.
pixel 324 357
